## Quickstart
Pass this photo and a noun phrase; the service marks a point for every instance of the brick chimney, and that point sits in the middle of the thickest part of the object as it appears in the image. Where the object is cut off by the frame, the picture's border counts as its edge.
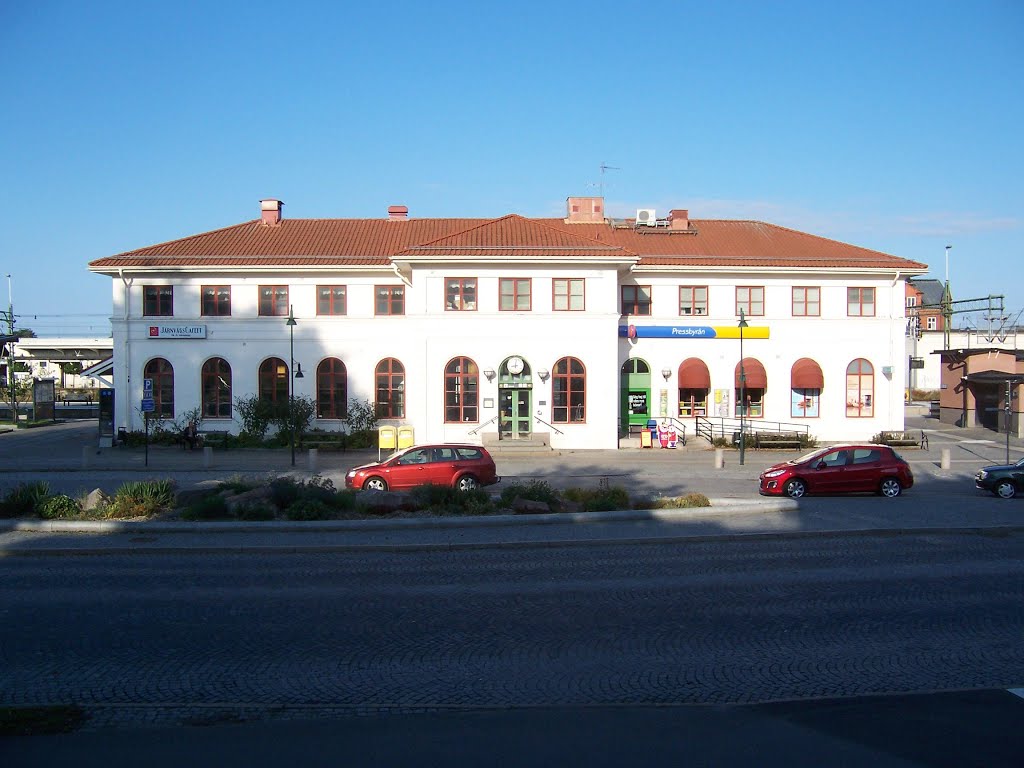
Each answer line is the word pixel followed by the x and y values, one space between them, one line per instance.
pixel 270 212
pixel 398 213
pixel 679 219
pixel 584 210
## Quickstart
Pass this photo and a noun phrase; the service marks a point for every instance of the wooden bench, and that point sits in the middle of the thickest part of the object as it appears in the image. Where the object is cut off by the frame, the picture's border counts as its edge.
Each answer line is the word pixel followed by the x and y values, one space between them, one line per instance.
pixel 330 441
pixel 215 438
pixel 903 440
pixel 76 398
pixel 769 440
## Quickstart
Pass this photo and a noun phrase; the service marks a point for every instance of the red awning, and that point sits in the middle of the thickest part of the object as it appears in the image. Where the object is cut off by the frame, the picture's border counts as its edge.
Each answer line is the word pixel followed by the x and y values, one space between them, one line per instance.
pixel 807 375
pixel 693 374
pixel 756 377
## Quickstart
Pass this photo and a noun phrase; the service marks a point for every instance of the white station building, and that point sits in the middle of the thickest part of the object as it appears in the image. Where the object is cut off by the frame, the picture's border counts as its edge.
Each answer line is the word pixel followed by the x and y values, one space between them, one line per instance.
pixel 571 331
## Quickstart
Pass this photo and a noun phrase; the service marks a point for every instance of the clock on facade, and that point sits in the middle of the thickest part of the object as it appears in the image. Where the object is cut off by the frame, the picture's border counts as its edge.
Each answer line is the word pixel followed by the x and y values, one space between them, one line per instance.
pixel 515 365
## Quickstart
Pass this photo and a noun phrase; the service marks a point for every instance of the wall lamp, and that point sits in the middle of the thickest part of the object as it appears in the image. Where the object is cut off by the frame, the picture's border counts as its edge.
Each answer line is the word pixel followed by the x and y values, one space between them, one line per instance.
pixel 489 373
pixel 667 373
pixel 543 373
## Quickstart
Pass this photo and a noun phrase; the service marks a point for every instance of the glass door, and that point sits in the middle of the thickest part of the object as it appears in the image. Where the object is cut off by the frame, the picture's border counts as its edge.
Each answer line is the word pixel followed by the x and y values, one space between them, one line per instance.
pixel 514 422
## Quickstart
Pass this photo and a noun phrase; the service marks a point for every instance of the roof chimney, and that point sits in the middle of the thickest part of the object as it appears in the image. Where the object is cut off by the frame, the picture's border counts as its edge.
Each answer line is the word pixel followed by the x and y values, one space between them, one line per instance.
pixel 270 211
pixel 584 210
pixel 398 212
pixel 679 219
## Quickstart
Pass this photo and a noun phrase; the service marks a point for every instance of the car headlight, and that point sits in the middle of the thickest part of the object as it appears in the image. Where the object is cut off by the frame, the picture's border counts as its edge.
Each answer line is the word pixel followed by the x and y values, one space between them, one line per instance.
pixel 351 474
pixel 774 473
pixel 982 475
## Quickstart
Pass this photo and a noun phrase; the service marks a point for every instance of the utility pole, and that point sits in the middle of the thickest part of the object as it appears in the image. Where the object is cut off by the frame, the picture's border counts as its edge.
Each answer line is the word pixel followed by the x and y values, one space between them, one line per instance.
pixel 10 353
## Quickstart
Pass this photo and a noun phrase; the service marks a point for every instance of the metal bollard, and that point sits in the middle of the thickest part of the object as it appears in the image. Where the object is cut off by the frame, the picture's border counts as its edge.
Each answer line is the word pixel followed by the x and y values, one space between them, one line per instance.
pixel 87 454
pixel 314 456
pixel 207 456
pixel 944 461
pixel 719 458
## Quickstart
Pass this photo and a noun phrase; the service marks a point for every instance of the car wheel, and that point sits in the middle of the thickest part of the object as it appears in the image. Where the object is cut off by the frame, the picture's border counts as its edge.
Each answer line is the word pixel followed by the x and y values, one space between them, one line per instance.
pixel 795 489
pixel 467 483
pixel 890 487
pixel 1005 489
pixel 375 484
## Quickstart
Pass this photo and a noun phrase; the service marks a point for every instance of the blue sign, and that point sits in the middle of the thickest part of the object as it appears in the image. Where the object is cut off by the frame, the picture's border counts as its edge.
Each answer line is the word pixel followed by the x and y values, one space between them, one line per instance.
pixel 147 387
pixel 148 405
pixel 668 331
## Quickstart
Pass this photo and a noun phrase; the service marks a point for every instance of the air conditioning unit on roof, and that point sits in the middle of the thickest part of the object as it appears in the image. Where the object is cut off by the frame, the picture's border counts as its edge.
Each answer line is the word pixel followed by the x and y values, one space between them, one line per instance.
pixel 645 217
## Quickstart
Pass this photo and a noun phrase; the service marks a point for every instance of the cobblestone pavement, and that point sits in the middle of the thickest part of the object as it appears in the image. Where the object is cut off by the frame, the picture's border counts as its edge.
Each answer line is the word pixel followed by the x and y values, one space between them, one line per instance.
pixel 191 639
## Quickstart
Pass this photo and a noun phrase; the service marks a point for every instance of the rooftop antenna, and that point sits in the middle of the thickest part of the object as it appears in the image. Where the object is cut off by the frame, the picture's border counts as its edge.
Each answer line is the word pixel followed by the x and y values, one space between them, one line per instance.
pixel 605 167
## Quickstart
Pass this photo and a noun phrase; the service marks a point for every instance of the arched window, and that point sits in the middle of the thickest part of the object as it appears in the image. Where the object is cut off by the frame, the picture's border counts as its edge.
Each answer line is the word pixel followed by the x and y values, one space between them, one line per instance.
pixel 860 389
pixel 390 377
pixel 461 390
pixel 569 391
pixel 216 382
pixel 694 385
pixel 751 383
pixel 162 374
pixel 331 389
pixel 274 380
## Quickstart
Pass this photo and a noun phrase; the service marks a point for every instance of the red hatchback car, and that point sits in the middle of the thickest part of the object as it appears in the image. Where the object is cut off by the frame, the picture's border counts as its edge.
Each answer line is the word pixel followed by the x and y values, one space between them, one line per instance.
pixel 840 469
pixel 465 467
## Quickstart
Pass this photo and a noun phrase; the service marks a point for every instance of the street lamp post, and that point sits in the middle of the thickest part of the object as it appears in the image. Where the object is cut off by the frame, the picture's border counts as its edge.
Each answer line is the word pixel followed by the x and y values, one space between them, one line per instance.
pixel 291 385
pixel 10 353
pixel 743 390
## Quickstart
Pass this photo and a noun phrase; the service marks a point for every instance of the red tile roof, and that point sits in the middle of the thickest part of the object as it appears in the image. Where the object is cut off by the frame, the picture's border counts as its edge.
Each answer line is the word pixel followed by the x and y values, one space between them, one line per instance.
pixel 374 242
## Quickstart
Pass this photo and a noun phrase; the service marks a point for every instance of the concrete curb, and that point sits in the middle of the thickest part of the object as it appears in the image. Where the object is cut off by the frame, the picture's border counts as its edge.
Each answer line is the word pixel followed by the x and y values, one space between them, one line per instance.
pixel 730 505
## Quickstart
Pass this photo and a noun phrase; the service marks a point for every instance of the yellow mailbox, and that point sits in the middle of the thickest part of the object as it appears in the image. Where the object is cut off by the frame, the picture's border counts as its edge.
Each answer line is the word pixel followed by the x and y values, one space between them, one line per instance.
pixel 387 438
pixel 405 437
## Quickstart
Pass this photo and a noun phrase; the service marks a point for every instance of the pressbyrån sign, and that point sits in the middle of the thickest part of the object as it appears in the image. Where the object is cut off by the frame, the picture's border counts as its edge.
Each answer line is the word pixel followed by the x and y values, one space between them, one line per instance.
pixel 177 331
pixel 690 332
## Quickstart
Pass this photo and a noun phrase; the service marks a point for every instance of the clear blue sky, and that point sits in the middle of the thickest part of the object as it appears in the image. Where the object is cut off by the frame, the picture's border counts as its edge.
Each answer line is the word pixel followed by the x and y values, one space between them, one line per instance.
pixel 891 125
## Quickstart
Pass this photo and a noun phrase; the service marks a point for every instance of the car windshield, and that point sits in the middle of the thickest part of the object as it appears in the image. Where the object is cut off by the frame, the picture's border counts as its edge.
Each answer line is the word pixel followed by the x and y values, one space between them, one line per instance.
pixel 811 455
pixel 1020 462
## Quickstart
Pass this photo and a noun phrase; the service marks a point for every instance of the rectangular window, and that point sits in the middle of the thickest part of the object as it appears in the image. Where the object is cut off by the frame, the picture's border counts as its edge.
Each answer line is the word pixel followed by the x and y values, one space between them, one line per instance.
pixel 216 301
pixel 932 323
pixel 911 301
pixel 460 294
pixel 693 402
pixel 514 294
pixel 158 300
pixel 804 404
pixel 567 294
pixel 693 300
pixel 390 300
pixel 274 300
pixel 636 299
pixel 806 302
pixel 750 298
pixel 860 302
pixel 330 300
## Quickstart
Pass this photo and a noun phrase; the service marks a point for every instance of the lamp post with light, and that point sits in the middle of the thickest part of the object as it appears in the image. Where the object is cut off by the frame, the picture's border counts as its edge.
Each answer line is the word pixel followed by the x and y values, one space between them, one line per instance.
pixel 743 389
pixel 292 373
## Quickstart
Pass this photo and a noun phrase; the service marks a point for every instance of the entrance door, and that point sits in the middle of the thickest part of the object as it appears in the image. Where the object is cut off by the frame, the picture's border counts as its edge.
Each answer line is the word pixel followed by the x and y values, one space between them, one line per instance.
pixel 514 422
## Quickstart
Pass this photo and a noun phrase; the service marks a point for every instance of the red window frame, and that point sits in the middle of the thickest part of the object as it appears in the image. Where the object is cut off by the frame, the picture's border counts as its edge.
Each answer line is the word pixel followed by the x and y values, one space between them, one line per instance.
pixel 158 300
pixel 569 391
pixel 215 301
pixel 562 294
pixel 273 300
pixel 331 389
pixel 860 389
pixel 754 298
pixel 698 307
pixel 460 294
pixel 273 380
pixel 855 298
pixel 515 289
pixel 331 300
pixel 162 374
pixel 216 389
pixel 461 391
pixel 633 300
pixel 802 296
pixel 389 300
pixel 390 387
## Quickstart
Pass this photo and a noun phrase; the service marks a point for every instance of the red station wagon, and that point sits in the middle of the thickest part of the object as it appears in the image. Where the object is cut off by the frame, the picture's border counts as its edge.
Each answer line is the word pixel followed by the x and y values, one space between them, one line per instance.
pixel 465 467
pixel 840 469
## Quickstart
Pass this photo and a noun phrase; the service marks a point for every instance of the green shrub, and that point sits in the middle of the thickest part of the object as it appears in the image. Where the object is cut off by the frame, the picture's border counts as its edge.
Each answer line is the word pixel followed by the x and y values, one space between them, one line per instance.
pixel 238 484
pixel 682 502
pixel 59 507
pixel 534 490
pixel 601 499
pixel 159 493
pixel 209 508
pixel 256 510
pixel 128 507
pixel 285 491
pixel 310 509
pixel 721 442
pixel 318 488
pixel 24 499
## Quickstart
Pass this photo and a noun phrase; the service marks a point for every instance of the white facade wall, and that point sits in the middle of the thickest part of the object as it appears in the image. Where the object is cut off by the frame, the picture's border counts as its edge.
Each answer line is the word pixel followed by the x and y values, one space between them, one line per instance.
pixel 426 337
pixel 932 342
